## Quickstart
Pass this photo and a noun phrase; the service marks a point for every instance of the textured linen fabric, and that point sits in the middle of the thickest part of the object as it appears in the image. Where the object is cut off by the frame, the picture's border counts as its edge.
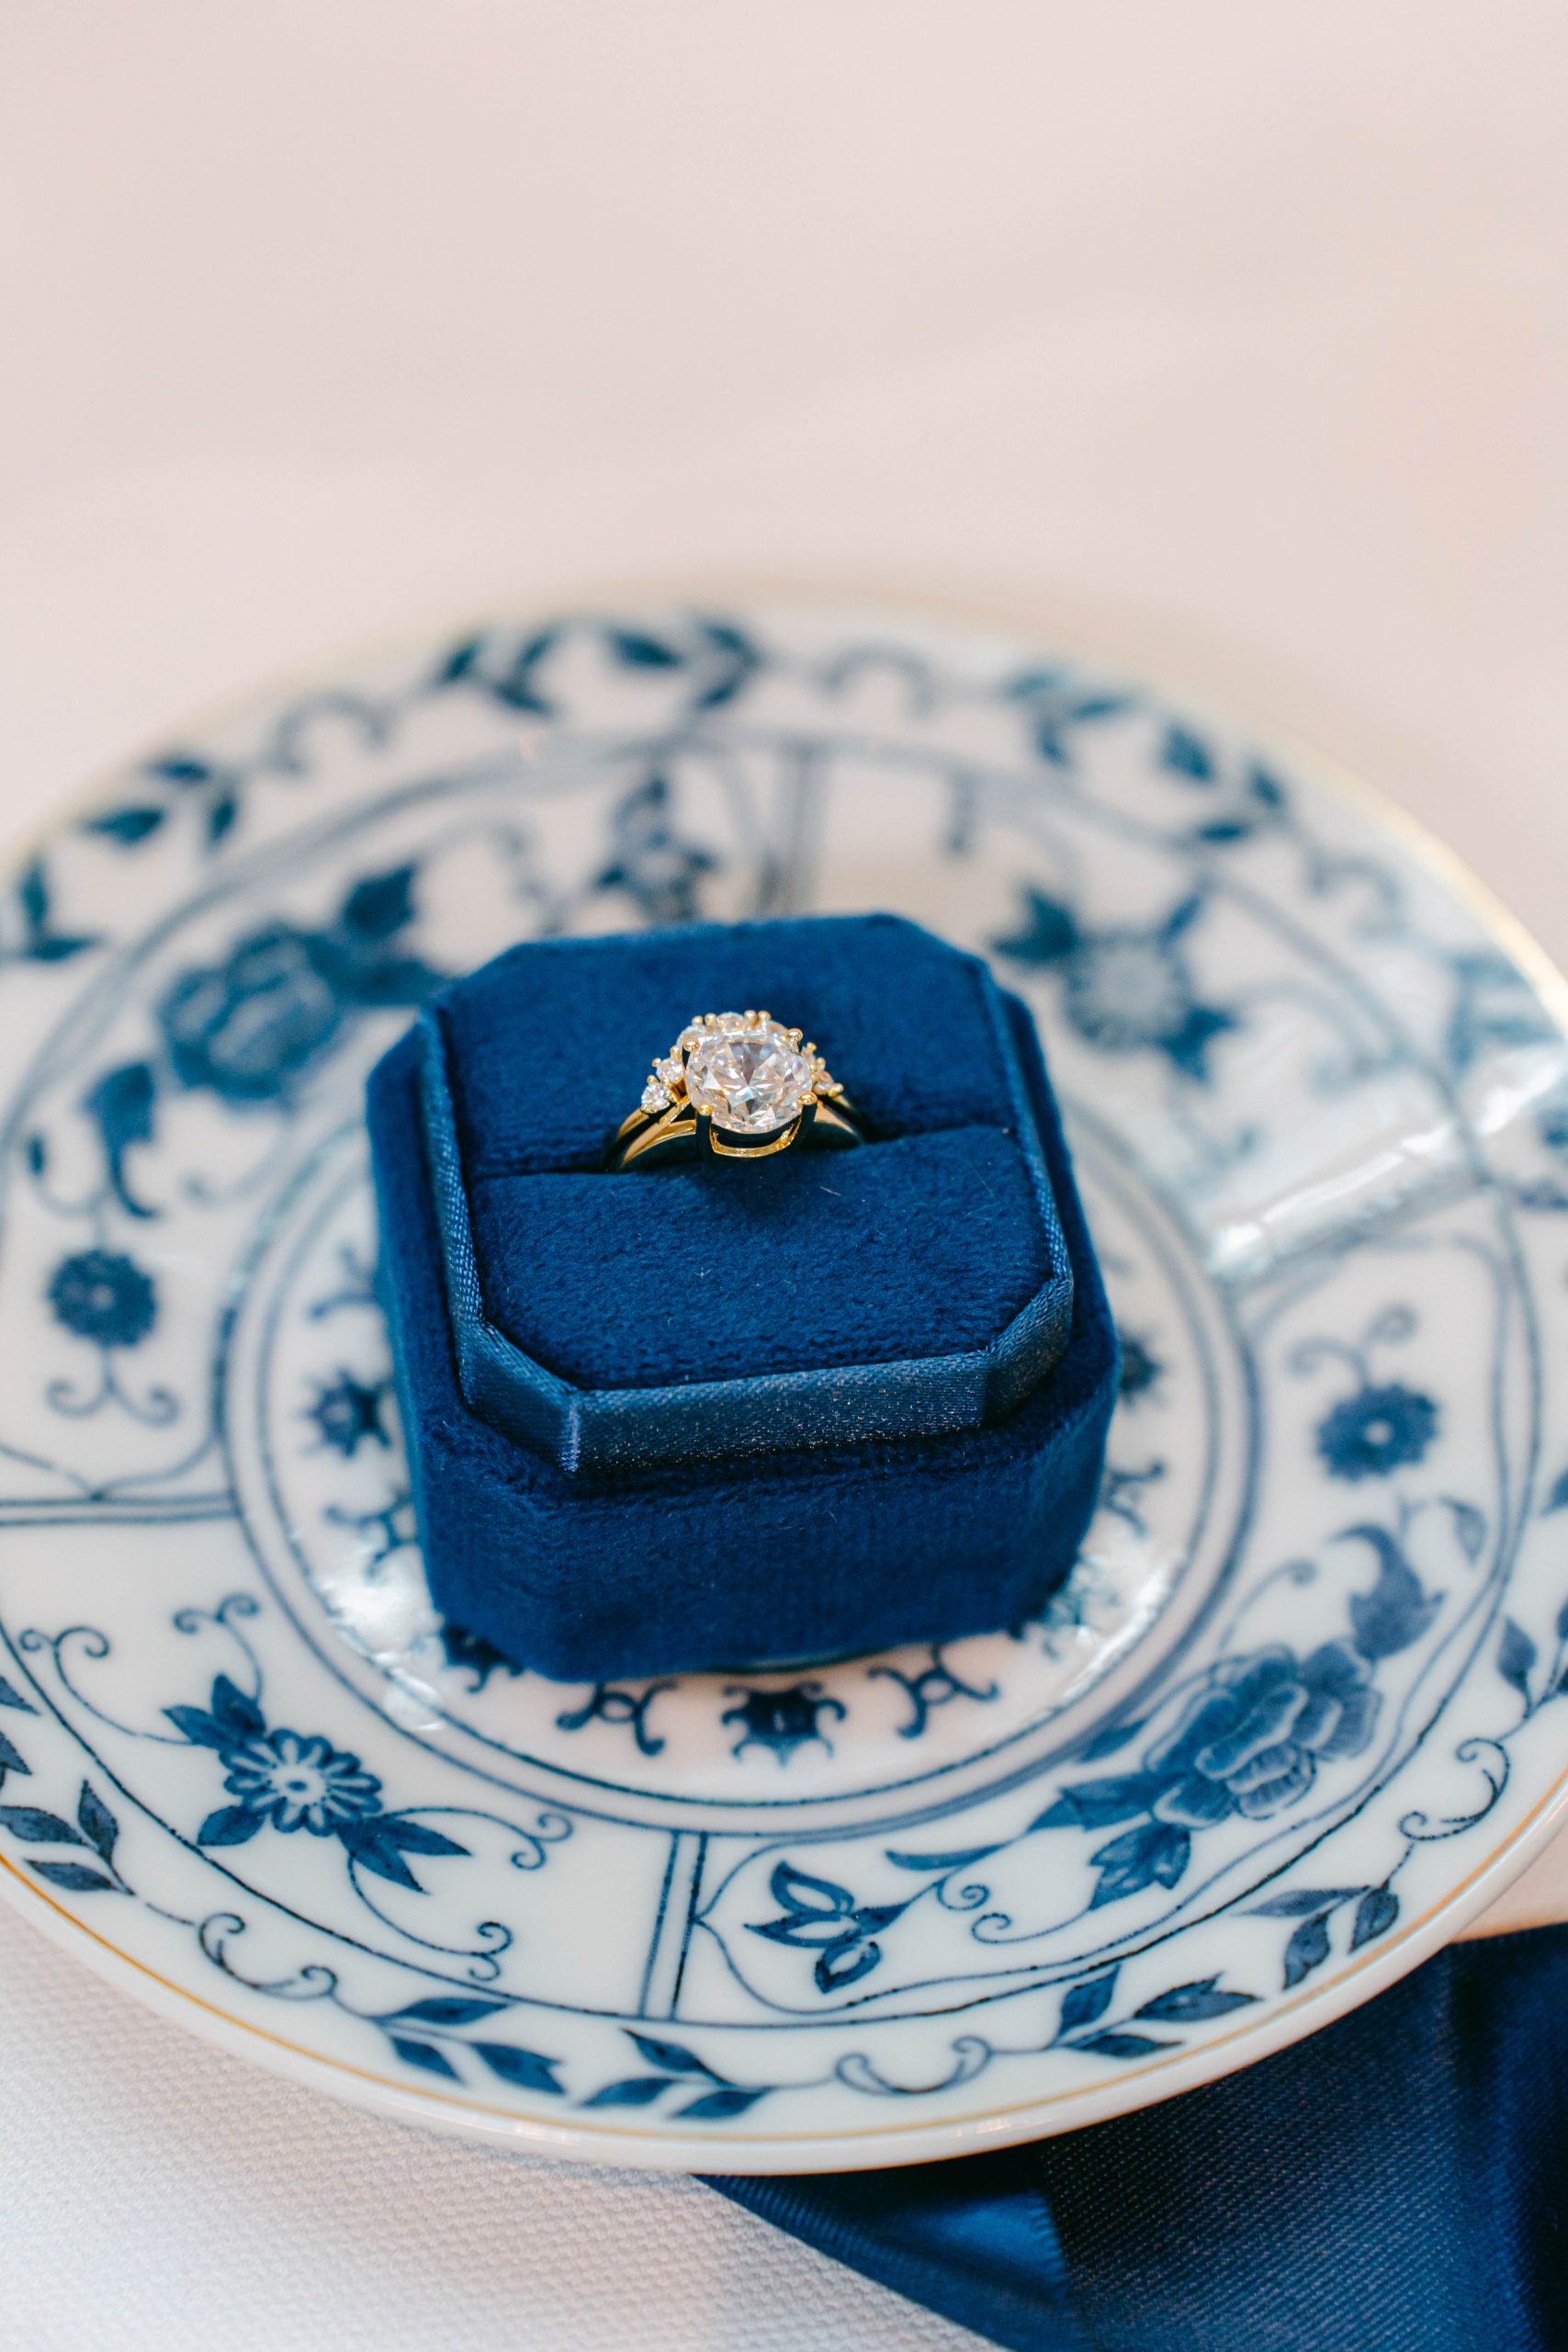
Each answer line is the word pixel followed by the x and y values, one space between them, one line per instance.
pixel 159 2195
pixel 846 1547
pixel 1396 2183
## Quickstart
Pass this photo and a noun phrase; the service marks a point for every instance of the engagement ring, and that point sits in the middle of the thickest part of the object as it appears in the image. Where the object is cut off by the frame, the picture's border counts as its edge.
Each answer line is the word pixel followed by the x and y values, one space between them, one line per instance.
pixel 740 1086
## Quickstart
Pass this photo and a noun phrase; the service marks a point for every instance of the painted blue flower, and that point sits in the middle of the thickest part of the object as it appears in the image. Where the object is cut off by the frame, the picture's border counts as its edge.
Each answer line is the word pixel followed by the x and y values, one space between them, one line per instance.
pixel 105 1297
pixel 347 1413
pixel 1378 1431
pixel 780 1720
pixel 301 1783
pixel 651 861
pixel 1125 991
pixel 1250 1741
pixel 250 1027
pixel 1141 1368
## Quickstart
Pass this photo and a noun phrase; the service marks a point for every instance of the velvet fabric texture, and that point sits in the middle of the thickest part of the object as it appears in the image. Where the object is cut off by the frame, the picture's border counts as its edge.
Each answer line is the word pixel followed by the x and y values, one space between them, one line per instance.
pixel 725 1309
pixel 729 1414
pixel 1397 2183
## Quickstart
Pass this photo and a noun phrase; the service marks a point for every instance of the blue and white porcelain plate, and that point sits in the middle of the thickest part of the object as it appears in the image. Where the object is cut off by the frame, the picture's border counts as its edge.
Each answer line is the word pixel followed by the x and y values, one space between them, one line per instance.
pixel 1303 1705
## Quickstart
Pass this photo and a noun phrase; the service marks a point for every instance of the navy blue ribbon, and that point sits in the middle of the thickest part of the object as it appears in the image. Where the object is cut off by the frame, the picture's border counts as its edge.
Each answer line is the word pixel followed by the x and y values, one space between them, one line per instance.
pixel 1398 2182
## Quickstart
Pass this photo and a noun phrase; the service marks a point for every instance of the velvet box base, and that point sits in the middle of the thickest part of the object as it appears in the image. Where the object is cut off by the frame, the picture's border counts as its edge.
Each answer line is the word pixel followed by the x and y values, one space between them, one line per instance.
pixel 777 1554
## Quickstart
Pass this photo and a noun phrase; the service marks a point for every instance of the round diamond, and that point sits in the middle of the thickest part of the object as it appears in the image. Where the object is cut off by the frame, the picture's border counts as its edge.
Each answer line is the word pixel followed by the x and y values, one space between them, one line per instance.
pixel 655 1097
pixel 749 1080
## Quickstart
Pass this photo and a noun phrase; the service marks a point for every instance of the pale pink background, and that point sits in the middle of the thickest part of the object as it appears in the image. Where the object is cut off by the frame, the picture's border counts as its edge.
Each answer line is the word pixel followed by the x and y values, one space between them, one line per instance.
pixel 1232 336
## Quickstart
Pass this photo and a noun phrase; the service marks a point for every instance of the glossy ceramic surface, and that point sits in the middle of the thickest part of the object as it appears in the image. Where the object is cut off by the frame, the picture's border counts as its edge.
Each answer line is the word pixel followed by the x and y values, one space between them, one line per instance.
pixel 1295 1715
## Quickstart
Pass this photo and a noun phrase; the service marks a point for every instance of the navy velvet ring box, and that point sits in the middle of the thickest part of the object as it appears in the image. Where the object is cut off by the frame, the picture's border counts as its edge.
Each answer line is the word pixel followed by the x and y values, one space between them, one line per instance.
pixel 737 1412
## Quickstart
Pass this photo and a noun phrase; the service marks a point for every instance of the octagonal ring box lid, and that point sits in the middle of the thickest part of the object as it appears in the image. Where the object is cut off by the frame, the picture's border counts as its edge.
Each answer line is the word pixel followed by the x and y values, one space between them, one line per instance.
pixel 608 1380
pixel 622 1323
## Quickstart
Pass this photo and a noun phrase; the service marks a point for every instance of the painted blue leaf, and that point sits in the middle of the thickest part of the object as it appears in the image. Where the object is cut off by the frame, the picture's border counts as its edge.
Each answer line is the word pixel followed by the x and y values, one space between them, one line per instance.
pixel 1307 1950
pixel 464 657
pixel 1097 705
pixel 1562 1623
pixel 1107 1742
pixel 960 1860
pixel 845 1962
pixel 1469 1526
pixel 1187 755
pixel 10 1759
pixel 202 1729
pixel 1375 1914
pixel 415 1838
pixel 1030 682
pixel 740 658
pixel 232 1708
pixel 13 1698
pixel 425 2055
pixel 1155 1852
pixel 221 811
pixel 1191 2003
pixel 368 1843
pixel 1302 1901
pixel 642 652
pixel 637 2090
pixel 1397 1610
pixel 36 1827
pixel 97 1823
pixel 1082 2004
pixel 1223 829
pixel 1558 1497
pixel 515 686
pixel 1049 932
pixel 714 2106
pixel 1095 1804
pixel 380 905
pixel 181 767
pixel 122 1105
pixel 56 947
pixel 446 2008
pixel 75 1878
pixel 1515 1656
pixel 525 2068
pixel 232 1825
pixel 727 639
pixel 1122 2045
pixel 808 1930
pixel 35 1153
pixel 671 2056
pixel 32 896
pixel 798 1891
pixel 127 826
pixel 872 1918
pixel 1265 787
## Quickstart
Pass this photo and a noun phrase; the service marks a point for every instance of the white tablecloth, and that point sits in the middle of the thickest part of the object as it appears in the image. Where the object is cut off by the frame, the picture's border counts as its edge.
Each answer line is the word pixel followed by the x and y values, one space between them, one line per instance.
pixel 1234 339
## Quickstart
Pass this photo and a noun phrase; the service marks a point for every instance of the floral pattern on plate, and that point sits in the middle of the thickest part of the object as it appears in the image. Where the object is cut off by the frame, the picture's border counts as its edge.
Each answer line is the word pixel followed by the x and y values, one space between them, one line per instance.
pixel 1294 1709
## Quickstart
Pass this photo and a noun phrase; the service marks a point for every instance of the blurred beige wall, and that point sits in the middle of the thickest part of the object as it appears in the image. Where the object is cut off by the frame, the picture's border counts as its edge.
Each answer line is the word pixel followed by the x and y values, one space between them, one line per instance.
pixel 1236 333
